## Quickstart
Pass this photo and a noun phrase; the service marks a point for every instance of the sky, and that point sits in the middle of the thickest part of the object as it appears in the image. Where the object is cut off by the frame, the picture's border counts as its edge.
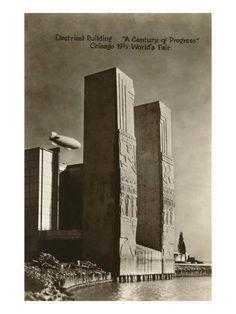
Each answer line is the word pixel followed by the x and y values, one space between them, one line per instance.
pixel 179 77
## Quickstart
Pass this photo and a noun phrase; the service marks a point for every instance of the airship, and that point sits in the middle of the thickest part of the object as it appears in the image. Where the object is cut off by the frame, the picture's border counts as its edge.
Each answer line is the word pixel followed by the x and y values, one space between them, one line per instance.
pixel 64 141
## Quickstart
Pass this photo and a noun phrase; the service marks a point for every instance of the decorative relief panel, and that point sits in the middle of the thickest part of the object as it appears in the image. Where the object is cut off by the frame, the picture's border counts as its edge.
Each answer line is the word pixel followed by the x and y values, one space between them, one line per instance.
pixel 128 175
pixel 163 133
pixel 168 216
pixel 125 101
pixel 168 204
pixel 128 194
pixel 167 178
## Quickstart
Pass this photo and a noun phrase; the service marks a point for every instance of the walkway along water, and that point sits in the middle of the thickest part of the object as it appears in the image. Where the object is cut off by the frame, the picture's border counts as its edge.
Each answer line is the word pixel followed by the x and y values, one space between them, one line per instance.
pixel 181 270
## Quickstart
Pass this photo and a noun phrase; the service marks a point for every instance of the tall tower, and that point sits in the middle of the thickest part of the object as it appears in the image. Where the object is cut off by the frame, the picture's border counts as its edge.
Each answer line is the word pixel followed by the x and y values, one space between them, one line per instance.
pixel 155 181
pixel 110 178
pixel 41 195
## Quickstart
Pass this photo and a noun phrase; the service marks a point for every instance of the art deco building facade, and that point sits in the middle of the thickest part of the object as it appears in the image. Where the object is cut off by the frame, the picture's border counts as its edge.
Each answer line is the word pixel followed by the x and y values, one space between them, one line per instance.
pixel 117 208
pixel 155 180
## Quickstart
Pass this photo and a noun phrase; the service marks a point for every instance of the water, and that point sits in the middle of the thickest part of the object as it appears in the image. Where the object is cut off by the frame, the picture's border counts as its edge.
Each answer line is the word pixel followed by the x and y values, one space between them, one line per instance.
pixel 182 289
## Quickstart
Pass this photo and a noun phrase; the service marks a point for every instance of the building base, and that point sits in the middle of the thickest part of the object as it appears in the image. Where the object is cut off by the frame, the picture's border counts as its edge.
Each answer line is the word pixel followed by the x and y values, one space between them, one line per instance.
pixel 146 277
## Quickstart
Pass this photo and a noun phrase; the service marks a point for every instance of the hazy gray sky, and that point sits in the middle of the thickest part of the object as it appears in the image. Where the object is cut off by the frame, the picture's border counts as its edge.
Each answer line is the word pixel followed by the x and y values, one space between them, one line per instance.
pixel 181 78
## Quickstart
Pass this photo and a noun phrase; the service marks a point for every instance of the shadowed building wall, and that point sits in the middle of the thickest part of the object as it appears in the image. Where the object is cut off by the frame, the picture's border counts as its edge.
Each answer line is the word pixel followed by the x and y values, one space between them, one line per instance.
pixel 110 187
pixel 63 244
pixel 155 180
pixel 71 197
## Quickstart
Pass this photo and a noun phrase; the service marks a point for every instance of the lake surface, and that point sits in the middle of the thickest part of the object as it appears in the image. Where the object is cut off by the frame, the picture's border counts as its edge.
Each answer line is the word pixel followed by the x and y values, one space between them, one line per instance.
pixel 182 289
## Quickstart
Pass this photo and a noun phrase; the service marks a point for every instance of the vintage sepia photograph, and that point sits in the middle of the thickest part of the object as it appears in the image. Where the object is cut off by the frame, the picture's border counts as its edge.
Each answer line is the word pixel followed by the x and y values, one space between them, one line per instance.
pixel 117 177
